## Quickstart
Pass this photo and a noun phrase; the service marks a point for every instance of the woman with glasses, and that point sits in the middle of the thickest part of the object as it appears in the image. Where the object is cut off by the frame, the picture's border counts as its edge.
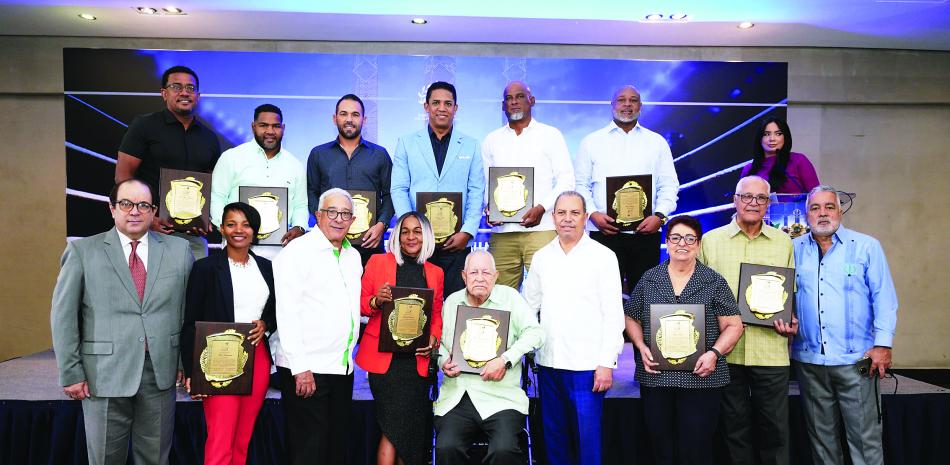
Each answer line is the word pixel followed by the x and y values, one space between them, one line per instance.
pixel 772 158
pixel 682 407
pixel 234 286
pixel 400 381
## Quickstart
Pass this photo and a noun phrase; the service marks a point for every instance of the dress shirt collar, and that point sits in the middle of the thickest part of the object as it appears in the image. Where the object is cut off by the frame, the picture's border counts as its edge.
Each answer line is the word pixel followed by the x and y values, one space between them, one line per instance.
pixel 531 124
pixel 336 143
pixel 170 119
pixel 835 238
pixel 447 137
pixel 491 302
pixel 583 243
pixel 734 229
pixel 612 126
pixel 126 240
pixel 260 150
pixel 321 242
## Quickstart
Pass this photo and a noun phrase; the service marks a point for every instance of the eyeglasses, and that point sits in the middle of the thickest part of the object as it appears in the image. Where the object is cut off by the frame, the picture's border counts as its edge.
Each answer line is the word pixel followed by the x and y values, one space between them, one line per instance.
pixel 176 87
pixel 126 206
pixel 689 239
pixel 760 199
pixel 333 214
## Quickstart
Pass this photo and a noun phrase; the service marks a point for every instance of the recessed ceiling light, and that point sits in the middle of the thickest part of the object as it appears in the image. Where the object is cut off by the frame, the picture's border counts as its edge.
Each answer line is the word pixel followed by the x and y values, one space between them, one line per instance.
pixel 654 17
pixel 146 10
pixel 172 10
pixel 678 16
pixel 419 21
pixel 87 16
pixel 746 25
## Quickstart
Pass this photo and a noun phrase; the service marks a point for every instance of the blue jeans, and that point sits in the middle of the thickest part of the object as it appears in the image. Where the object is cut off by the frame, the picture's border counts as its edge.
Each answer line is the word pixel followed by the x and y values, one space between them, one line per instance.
pixel 572 414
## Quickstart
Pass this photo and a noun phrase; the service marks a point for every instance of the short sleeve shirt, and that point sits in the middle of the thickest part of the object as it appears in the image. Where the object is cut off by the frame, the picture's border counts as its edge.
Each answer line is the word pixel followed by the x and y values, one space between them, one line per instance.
pixel 705 287
pixel 160 141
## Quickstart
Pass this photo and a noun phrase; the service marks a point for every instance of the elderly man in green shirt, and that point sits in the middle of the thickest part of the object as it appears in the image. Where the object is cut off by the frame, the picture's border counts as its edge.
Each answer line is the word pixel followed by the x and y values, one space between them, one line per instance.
pixel 756 398
pixel 493 400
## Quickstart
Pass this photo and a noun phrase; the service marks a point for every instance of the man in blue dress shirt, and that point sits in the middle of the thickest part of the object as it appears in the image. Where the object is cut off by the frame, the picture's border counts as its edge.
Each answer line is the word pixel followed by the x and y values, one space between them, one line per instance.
pixel 847 312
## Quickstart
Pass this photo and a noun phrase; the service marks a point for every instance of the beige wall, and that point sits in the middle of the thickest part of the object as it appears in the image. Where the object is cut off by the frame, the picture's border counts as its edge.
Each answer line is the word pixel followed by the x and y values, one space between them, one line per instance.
pixel 875 122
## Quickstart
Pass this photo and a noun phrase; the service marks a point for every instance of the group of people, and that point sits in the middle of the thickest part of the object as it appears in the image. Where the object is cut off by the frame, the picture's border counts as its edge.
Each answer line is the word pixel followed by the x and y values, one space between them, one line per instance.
pixel 126 300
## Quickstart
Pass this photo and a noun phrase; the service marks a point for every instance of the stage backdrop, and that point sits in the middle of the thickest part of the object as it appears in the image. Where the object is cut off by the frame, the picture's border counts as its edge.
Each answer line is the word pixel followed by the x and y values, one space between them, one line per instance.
pixel 707 111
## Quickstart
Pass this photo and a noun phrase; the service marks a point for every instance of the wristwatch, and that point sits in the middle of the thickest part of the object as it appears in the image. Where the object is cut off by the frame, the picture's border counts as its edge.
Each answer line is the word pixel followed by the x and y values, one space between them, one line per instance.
pixel 717 352
pixel 661 216
pixel 507 362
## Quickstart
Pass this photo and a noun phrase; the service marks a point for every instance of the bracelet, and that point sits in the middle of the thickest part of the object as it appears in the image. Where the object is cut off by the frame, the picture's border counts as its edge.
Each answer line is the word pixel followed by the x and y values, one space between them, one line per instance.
pixel 717 352
pixel 372 303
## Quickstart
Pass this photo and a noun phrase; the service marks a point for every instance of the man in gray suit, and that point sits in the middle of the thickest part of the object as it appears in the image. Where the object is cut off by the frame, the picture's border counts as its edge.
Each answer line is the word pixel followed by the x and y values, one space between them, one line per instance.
pixel 116 315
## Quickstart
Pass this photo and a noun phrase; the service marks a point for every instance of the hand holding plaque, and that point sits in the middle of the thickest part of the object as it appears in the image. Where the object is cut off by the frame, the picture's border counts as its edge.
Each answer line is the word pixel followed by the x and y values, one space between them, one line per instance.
pixel 183 197
pixel 765 294
pixel 405 321
pixel 481 334
pixel 223 359
pixel 511 193
pixel 678 334
pixel 629 200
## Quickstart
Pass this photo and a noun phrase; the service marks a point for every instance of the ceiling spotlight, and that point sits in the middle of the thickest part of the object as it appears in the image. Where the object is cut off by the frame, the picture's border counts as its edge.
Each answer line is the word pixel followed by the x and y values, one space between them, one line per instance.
pixel 172 10
pixel 418 21
pixel 146 10
pixel 87 16
pixel 746 25
pixel 654 17
pixel 678 16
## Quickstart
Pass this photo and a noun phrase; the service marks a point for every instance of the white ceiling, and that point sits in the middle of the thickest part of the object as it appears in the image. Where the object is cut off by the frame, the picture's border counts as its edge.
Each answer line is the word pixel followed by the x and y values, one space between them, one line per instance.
pixel 897 24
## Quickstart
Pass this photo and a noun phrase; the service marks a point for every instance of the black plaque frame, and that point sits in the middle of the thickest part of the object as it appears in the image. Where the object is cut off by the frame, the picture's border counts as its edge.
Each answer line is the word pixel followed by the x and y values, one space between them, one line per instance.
pixel 239 386
pixel 746 270
pixel 494 213
pixel 615 183
pixel 386 341
pixel 166 177
pixel 658 311
pixel 272 238
pixel 463 314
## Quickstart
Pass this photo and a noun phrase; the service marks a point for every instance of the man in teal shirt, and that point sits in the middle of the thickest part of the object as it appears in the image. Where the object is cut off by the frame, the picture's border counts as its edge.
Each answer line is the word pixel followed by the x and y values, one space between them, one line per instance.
pixel 493 400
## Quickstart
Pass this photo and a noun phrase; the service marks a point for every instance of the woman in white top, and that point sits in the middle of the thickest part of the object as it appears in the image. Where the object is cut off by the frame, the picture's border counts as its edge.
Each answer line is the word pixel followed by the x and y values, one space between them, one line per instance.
pixel 234 286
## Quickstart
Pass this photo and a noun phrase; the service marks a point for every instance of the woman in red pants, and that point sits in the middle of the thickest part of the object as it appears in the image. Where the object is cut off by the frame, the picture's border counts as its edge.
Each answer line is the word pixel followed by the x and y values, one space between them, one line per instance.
pixel 235 286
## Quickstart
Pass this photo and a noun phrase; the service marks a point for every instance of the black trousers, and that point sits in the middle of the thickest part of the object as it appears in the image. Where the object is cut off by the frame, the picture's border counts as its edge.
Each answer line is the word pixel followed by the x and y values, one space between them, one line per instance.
pixel 317 427
pixel 681 423
pixel 462 425
pixel 636 253
pixel 451 264
pixel 755 415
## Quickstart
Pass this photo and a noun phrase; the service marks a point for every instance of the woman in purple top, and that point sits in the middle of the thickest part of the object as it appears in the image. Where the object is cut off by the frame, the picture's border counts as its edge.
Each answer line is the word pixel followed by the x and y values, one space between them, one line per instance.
pixel 788 172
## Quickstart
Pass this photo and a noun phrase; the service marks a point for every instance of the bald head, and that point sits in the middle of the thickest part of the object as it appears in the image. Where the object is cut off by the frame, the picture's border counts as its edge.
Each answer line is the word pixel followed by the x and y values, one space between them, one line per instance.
pixel 517 101
pixel 626 106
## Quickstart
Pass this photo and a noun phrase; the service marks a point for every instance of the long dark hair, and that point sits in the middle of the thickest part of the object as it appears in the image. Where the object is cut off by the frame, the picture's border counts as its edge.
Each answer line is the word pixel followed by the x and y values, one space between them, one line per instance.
pixel 777 176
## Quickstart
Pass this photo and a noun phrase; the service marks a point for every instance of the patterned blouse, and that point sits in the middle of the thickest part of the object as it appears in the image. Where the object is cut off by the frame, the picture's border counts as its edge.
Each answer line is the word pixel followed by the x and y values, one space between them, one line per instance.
pixel 705 287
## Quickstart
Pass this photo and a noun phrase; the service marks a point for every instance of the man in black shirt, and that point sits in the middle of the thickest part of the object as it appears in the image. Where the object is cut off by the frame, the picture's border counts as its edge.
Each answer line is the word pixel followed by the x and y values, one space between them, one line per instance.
pixel 352 163
pixel 171 138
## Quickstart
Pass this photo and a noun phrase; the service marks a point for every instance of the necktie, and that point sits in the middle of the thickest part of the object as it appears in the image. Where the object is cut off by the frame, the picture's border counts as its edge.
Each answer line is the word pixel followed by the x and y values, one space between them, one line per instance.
pixel 137 268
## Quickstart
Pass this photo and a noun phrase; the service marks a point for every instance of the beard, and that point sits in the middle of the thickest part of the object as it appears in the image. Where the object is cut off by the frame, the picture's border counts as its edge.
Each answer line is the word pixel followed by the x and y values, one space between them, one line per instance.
pixel 349 132
pixel 516 116
pixel 825 230
pixel 273 146
pixel 625 119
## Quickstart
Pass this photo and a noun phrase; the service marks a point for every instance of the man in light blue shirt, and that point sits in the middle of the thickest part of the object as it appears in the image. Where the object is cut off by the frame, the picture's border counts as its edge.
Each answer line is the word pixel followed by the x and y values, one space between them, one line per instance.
pixel 442 159
pixel 262 162
pixel 847 312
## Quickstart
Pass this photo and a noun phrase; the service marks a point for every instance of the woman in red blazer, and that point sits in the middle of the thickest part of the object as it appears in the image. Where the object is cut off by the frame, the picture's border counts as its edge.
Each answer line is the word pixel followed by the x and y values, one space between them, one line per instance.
pixel 400 381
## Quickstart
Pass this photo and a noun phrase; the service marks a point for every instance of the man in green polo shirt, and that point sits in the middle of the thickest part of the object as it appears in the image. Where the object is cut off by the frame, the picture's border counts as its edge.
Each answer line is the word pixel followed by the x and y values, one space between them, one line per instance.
pixel 493 400
pixel 756 398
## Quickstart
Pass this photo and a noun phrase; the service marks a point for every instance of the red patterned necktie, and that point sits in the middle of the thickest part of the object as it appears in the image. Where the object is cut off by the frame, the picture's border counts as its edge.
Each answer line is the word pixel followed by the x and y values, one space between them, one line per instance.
pixel 137 268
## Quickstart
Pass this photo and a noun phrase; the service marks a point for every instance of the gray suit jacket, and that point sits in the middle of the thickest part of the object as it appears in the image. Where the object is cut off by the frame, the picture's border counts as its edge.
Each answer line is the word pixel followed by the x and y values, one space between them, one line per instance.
pixel 99 325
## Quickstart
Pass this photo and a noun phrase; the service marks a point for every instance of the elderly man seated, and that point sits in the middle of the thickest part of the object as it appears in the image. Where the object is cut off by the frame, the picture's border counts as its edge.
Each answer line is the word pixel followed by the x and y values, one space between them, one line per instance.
pixel 491 402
